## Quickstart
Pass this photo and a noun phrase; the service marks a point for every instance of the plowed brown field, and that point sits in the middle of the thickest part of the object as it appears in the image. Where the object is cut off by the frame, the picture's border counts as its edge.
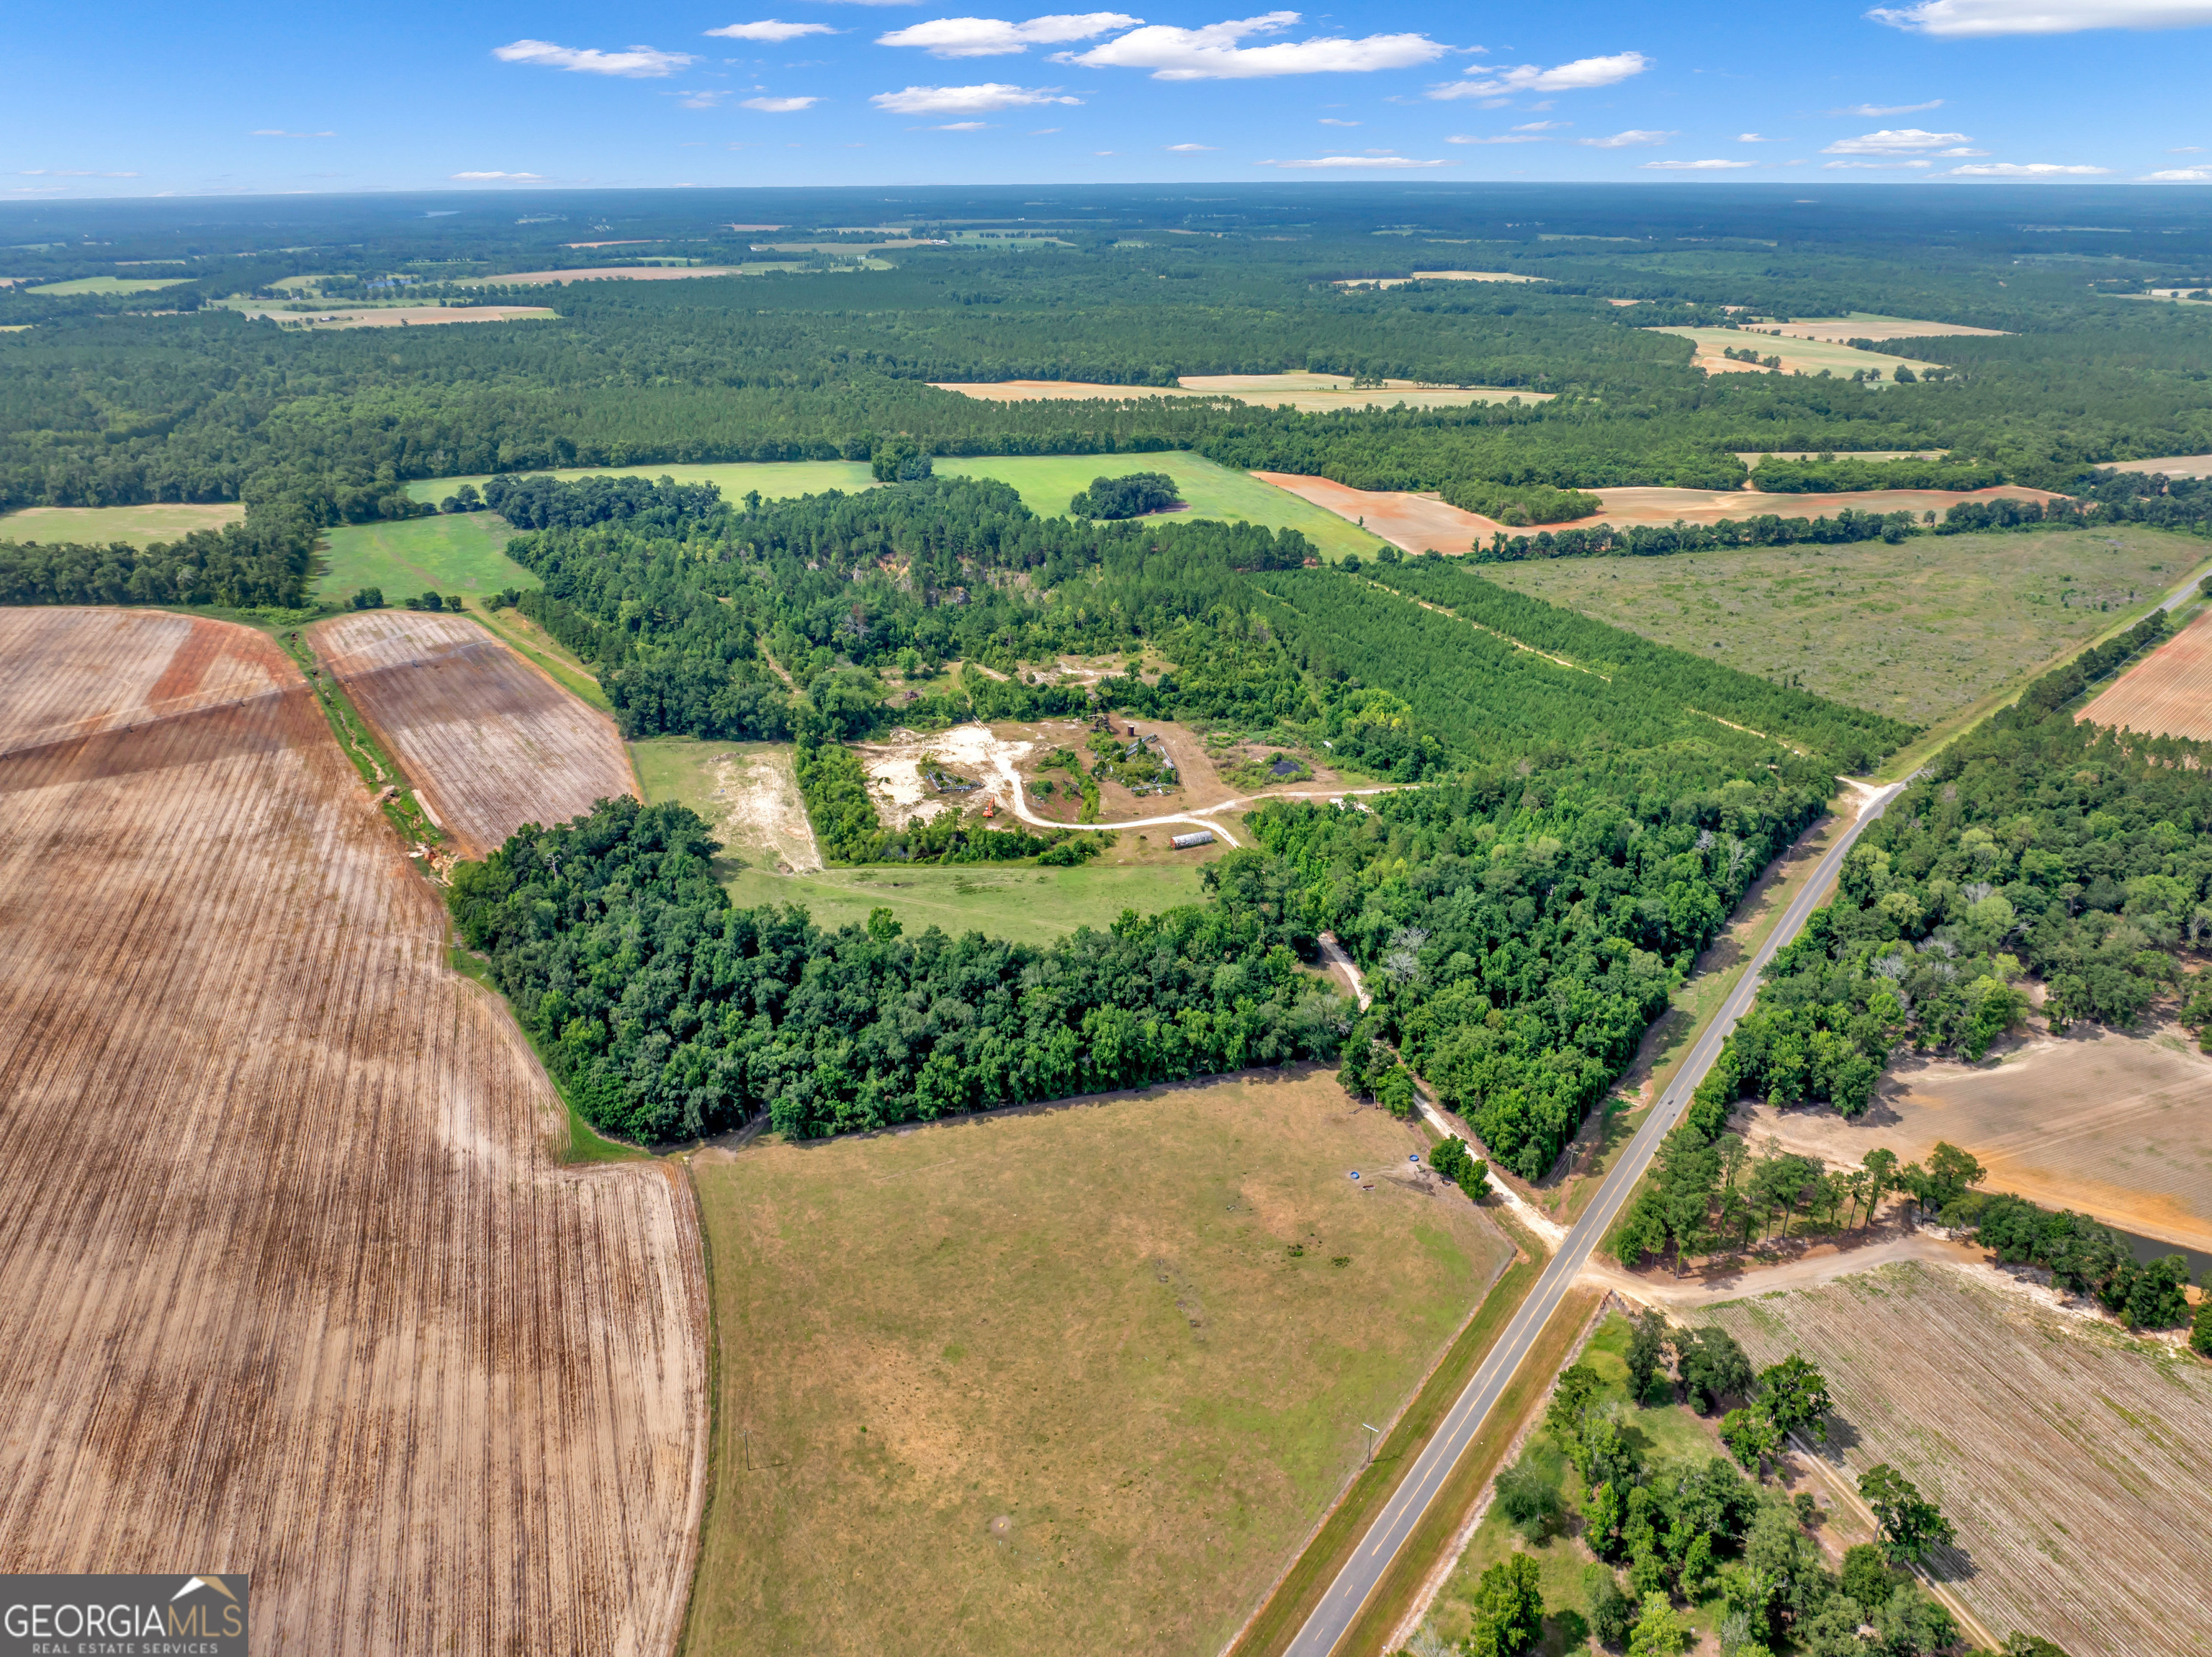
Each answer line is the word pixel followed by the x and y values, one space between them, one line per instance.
pixel 294 1283
pixel 488 740
pixel 2168 692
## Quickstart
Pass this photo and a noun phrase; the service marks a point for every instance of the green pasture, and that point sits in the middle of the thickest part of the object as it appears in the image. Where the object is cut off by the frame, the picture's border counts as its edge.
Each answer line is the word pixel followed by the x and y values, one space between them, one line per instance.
pixel 1015 901
pixel 110 285
pixel 459 552
pixel 776 480
pixel 96 526
pixel 1049 482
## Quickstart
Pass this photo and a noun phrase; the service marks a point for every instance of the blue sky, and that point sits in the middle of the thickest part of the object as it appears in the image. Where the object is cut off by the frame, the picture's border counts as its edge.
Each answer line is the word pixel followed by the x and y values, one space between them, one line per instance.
pixel 144 100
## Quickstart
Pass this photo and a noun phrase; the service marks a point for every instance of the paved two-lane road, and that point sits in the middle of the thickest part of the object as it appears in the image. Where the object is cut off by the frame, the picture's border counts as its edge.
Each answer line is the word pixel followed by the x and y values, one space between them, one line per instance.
pixel 1356 1582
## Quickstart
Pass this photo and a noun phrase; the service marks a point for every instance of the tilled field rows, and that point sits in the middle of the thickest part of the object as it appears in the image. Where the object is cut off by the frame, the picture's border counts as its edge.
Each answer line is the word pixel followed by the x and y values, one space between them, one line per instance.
pixel 490 741
pixel 2168 692
pixel 295 1288
pixel 2073 1462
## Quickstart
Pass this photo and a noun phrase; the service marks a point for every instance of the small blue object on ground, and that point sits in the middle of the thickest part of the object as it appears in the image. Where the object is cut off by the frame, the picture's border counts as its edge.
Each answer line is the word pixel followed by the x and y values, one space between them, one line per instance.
pixel 1354 1174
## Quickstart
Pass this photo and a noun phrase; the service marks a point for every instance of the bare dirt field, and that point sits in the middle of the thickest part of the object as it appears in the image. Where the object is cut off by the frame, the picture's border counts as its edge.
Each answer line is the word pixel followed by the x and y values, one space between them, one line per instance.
pixel 747 792
pixel 2172 466
pixel 489 742
pixel 2115 1126
pixel 1053 1380
pixel 2168 692
pixel 396 316
pixel 297 1285
pixel 1418 522
pixel 2073 1460
pixel 1310 392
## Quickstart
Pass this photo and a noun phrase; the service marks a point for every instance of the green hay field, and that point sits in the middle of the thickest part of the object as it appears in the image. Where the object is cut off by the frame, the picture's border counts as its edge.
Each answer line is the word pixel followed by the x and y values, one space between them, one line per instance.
pixel 1809 355
pixel 96 526
pixel 1920 630
pixel 459 552
pixel 1052 1381
pixel 110 285
pixel 775 481
pixel 1048 483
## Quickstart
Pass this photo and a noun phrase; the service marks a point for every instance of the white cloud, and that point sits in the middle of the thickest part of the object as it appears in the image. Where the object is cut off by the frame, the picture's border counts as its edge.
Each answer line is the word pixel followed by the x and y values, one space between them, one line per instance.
pixel 1627 140
pixel 1502 137
pixel 1354 160
pixel 2027 170
pixel 1331 120
pixel 2187 149
pixel 1753 137
pixel 1542 126
pixel 1211 53
pixel 69 173
pixel 1900 141
pixel 1582 73
pixel 707 99
pixel 1871 166
pixel 1957 19
pixel 638 63
pixel 966 99
pixel 279 132
pixel 991 37
pixel 962 126
pixel 1188 149
pixel 1047 131
pixel 769 29
pixel 2180 175
pixel 512 178
pixel 779 105
pixel 1694 167
pixel 1888 109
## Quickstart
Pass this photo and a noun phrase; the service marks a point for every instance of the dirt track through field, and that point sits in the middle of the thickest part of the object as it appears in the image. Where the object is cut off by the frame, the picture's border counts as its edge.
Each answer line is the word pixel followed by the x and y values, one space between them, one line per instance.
pixel 296 1287
pixel 2168 692
pixel 492 742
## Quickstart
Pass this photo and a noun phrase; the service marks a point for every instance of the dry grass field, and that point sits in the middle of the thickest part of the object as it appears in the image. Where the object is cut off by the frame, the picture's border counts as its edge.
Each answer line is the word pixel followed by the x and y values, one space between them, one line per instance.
pixel 2168 692
pixel 1311 394
pixel 1802 352
pixel 2113 1125
pixel 1919 631
pixel 96 526
pixel 402 316
pixel 489 742
pixel 2074 1460
pixel 2171 466
pixel 1052 1381
pixel 296 1284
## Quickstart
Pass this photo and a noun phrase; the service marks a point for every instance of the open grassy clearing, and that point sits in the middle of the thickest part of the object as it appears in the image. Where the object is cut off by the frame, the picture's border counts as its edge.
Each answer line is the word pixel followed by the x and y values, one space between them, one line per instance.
pixel 2171 465
pixel 776 480
pixel 2168 692
pixel 488 742
pixel 1310 393
pixel 1919 631
pixel 1798 355
pixel 1052 1381
pixel 1048 483
pixel 453 552
pixel 2073 1459
pixel 344 1282
pixel 747 794
pixel 1870 324
pixel 2114 1125
pixel 108 284
pixel 96 526
pixel 400 315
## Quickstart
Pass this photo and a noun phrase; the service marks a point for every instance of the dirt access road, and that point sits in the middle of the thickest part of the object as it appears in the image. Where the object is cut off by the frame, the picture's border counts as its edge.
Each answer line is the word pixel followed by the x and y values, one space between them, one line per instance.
pixel 1353 1584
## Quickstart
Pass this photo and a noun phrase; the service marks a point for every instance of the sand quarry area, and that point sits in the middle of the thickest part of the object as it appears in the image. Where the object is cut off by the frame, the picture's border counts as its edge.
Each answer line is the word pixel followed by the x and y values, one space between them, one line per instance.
pixel 2112 1125
pixel 1419 522
pixel 1310 394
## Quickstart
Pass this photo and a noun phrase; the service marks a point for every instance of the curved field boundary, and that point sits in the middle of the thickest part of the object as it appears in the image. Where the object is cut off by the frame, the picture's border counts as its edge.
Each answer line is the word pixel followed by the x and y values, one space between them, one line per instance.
pixel 491 741
pixel 296 1284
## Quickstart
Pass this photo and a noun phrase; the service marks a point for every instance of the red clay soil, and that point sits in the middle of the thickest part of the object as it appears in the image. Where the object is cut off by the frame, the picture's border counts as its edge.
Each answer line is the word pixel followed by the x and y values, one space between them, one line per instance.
pixel 296 1285
pixel 1418 522
pixel 490 742
pixel 2168 692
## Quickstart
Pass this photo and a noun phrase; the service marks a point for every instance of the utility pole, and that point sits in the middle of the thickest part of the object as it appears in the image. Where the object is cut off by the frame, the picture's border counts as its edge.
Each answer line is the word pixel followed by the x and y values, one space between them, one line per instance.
pixel 1373 1434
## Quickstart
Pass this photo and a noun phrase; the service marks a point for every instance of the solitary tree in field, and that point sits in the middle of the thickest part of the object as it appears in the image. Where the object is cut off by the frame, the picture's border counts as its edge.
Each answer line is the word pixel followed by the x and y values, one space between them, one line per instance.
pixel 1910 1525
pixel 1796 1395
pixel 1508 1609
pixel 1647 1347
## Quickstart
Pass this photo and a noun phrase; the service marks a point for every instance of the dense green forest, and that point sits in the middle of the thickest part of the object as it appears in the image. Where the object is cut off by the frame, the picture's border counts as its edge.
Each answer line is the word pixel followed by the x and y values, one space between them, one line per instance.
pixel 667 1012
pixel 268 560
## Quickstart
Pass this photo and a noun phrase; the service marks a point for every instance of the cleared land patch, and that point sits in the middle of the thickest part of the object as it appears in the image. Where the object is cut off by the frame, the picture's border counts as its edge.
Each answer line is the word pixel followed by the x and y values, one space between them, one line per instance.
pixel 776 480
pixel 1919 631
pixel 1799 355
pixel 337 1317
pixel 108 284
pixel 747 792
pixel 488 741
pixel 1869 324
pixel 2112 1125
pixel 1419 522
pixel 453 552
pixel 402 316
pixel 1310 393
pixel 2172 466
pixel 1437 276
pixel 96 526
pixel 603 273
pixel 2072 1459
pixel 1102 1400
pixel 1048 483
pixel 2168 693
